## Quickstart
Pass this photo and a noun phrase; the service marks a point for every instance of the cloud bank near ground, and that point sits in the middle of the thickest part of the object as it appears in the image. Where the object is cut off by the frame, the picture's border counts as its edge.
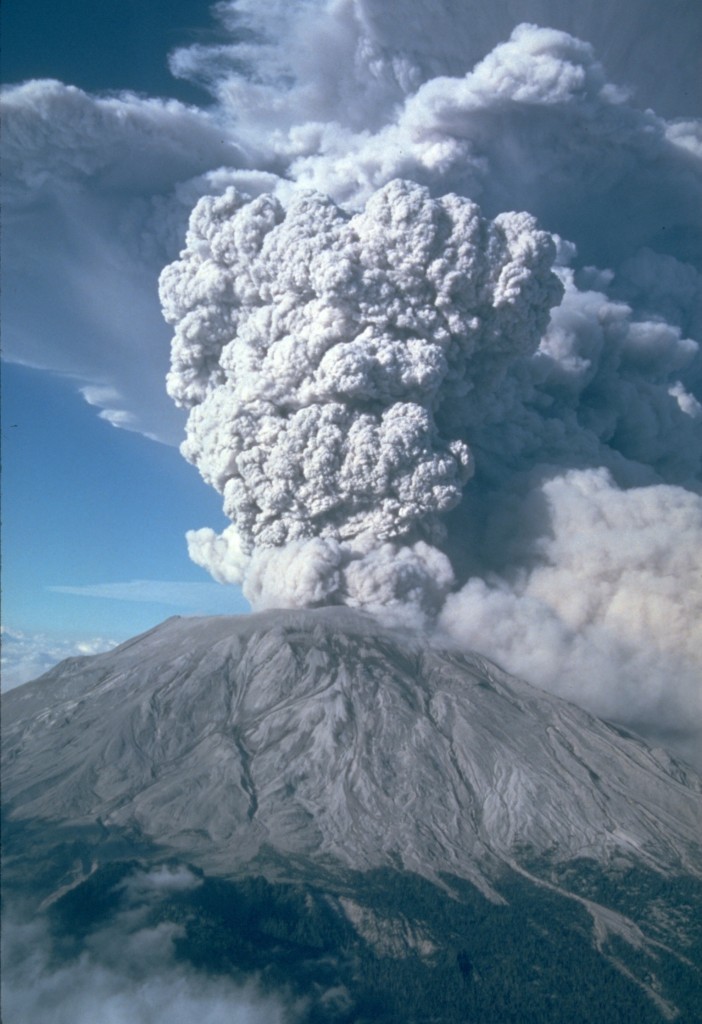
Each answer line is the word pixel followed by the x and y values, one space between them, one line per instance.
pixel 27 656
pixel 125 969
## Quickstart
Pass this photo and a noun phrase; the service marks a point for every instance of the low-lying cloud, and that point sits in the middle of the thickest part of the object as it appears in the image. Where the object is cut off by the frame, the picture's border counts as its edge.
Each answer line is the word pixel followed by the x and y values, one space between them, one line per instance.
pixel 123 971
pixel 26 656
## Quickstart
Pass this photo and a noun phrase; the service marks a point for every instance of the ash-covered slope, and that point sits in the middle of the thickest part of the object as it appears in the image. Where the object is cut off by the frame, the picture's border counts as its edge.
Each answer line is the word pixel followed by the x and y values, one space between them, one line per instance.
pixel 375 829
pixel 319 734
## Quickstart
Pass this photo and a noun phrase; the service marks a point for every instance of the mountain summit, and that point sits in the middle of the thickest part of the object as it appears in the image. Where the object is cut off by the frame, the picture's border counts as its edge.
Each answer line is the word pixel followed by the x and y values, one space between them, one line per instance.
pixel 410 792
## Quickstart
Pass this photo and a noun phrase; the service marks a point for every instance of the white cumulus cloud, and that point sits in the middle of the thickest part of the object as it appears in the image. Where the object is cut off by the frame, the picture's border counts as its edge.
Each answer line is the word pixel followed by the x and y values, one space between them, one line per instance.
pixel 25 656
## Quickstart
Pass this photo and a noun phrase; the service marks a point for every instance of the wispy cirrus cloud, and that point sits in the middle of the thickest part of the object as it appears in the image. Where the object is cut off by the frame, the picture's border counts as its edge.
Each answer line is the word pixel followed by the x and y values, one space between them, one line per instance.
pixel 190 597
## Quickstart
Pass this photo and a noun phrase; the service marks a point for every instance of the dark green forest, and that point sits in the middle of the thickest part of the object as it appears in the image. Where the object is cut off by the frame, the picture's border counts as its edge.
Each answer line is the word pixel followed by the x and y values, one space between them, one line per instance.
pixel 529 960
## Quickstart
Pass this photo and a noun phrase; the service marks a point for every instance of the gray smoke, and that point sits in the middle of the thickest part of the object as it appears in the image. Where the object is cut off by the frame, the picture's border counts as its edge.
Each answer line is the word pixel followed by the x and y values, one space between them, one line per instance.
pixel 329 361
pixel 466 418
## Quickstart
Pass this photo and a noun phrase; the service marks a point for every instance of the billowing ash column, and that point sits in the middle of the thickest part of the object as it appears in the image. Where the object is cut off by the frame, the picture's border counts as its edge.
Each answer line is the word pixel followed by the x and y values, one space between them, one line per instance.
pixel 328 361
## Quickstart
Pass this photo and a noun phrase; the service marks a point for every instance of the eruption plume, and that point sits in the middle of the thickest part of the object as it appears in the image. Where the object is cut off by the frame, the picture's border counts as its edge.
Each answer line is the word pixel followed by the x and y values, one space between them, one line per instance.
pixel 434 416
pixel 328 361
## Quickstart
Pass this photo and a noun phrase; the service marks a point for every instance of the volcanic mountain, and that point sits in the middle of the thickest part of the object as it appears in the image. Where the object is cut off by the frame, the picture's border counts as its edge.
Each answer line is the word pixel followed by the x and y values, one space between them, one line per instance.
pixel 366 814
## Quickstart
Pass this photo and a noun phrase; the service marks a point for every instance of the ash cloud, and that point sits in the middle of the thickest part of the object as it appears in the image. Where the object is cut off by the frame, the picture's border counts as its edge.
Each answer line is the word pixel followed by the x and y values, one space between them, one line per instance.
pixel 327 360
pixel 601 602
pixel 96 193
pixel 449 370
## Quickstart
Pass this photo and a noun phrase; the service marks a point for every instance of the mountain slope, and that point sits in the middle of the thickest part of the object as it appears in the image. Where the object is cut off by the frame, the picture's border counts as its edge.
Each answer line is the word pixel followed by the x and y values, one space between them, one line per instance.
pixel 319 733
pixel 319 749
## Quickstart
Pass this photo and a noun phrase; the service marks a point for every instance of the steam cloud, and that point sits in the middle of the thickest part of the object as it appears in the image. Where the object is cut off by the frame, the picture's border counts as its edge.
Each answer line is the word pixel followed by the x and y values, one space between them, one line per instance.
pixel 437 320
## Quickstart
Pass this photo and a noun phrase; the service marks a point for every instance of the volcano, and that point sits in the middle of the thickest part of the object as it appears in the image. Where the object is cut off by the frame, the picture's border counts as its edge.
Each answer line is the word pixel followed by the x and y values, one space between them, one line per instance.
pixel 380 828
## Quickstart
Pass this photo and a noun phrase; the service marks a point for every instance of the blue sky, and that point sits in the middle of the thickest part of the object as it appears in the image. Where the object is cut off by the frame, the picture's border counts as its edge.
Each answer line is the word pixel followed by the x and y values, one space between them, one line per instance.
pixel 88 507
pixel 114 44
pixel 86 504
